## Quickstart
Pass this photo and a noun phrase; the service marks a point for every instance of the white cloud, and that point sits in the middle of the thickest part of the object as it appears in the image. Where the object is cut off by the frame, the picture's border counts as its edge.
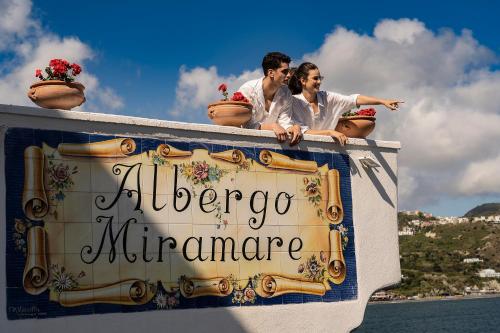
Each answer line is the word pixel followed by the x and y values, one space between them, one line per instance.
pixel 481 177
pixel 449 123
pixel 400 31
pixel 198 87
pixel 15 21
pixel 33 48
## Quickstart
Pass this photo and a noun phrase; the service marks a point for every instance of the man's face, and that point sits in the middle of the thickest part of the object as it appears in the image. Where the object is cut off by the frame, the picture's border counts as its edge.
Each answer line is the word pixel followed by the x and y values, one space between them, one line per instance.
pixel 280 74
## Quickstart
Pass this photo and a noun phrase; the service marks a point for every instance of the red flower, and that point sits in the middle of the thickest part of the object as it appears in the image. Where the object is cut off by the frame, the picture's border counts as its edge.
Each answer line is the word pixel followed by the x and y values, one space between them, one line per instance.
pixel 367 112
pixel 76 69
pixel 222 87
pixel 38 73
pixel 238 96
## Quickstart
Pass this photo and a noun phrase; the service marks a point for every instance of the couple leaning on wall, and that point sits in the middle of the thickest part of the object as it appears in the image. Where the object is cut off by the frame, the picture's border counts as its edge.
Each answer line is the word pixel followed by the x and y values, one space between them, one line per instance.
pixel 289 101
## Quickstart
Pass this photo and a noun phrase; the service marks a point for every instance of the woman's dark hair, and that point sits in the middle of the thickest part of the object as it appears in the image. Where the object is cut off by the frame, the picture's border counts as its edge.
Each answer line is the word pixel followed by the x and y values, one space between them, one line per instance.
pixel 273 60
pixel 301 73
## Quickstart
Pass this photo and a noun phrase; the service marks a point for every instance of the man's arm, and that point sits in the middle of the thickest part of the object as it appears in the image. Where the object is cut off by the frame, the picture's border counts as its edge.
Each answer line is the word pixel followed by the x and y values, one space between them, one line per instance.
pixel 391 104
pixel 280 132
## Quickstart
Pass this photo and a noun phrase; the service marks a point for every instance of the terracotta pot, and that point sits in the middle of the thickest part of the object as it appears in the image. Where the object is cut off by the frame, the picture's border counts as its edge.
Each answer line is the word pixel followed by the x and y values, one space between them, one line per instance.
pixel 55 94
pixel 356 126
pixel 230 113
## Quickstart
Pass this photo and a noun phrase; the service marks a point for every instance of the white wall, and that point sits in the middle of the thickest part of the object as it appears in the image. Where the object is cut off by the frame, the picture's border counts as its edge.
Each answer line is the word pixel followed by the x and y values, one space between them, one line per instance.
pixel 374 195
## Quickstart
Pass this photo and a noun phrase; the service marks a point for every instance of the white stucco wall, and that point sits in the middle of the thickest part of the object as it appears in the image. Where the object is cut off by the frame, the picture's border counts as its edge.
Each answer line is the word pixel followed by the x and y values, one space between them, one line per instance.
pixel 374 196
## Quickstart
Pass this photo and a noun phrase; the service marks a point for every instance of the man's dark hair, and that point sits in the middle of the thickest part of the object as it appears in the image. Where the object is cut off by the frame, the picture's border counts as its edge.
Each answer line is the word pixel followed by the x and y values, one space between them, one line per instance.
pixel 273 60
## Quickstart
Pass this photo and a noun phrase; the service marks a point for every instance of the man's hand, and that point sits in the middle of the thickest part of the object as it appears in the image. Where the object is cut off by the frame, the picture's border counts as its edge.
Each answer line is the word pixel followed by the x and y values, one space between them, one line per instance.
pixel 280 132
pixel 296 134
pixel 340 137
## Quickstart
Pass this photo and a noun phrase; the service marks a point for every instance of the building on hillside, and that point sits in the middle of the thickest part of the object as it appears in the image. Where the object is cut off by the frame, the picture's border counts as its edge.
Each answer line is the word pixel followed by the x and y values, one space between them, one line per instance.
pixel 489 273
pixel 491 218
pixel 417 212
pixel 472 260
pixel 406 231
pixel 430 234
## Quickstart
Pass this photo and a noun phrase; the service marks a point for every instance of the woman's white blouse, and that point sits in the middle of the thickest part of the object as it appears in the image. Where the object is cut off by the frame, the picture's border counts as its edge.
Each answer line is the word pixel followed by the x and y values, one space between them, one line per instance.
pixel 331 107
pixel 281 107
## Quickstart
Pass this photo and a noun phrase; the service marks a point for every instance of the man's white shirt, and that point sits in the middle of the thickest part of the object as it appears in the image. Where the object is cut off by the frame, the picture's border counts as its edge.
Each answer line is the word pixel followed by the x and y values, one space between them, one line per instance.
pixel 280 110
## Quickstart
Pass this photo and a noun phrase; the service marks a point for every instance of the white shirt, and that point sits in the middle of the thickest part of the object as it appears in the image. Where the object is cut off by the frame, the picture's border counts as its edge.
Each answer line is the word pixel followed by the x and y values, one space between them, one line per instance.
pixel 280 110
pixel 331 107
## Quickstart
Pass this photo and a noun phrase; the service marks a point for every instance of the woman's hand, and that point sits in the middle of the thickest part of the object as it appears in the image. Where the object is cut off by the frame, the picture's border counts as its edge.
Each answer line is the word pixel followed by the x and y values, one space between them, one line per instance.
pixel 295 133
pixel 340 137
pixel 391 104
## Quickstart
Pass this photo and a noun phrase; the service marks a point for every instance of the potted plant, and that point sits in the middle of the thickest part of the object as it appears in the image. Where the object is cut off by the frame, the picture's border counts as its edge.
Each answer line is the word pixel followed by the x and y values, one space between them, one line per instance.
pixel 57 90
pixel 236 111
pixel 358 124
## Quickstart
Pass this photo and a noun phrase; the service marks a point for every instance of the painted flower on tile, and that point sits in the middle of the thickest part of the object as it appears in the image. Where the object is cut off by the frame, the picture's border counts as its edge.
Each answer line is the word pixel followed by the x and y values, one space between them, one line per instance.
pixel 343 234
pixel 19 234
pixel 61 280
pixel 237 296
pixel 246 294
pixel 214 174
pixel 314 270
pixel 158 160
pixel 60 177
pixel 160 300
pixel 244 165
pixel 249 295
pixel 323 256
pixel 20 226
pixel 165 300
pixel 312 191
pixel 200 171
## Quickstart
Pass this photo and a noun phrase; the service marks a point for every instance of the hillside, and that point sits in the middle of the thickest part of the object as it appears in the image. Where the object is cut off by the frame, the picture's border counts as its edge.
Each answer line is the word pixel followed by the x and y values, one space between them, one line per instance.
pixel 486 209
pixel 434 266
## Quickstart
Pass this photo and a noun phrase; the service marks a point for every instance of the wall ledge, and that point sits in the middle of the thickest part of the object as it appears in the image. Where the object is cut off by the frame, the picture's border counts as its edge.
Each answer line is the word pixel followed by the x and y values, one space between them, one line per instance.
pixel 111 118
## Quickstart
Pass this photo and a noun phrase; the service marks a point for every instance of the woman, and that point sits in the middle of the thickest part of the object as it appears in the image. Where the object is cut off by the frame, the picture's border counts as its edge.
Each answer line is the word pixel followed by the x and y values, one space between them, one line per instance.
pixel 318 112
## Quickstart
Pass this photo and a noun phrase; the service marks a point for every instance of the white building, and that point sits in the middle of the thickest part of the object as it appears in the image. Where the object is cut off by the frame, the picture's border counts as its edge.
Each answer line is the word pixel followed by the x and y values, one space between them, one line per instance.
pixel 488 273
pixel 406 231
pixel 472 260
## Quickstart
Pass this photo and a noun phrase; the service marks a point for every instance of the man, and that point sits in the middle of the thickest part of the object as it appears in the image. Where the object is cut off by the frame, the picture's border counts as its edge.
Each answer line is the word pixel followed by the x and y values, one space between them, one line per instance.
pixel 271 99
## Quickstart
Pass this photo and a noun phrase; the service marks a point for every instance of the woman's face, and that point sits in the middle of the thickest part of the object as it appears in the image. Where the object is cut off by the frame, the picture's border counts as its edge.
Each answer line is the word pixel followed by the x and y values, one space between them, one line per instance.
pixel 313 81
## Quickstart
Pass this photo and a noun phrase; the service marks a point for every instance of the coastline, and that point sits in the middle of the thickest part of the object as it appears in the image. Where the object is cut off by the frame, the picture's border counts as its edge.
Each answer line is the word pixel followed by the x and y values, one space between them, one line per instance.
pixel 431 299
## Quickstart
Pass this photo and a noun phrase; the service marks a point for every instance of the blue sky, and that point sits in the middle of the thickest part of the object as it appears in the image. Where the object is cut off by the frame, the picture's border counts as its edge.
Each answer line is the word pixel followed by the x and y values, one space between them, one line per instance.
pixel 139 56
pixel 140 46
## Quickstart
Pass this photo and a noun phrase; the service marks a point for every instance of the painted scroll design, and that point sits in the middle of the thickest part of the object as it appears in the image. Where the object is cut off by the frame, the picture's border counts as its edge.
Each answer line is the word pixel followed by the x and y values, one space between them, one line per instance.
pixel 313 277
pixel 37 276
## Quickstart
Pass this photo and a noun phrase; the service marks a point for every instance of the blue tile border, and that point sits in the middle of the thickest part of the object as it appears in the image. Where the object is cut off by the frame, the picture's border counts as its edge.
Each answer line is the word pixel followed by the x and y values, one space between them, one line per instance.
pixel 17 139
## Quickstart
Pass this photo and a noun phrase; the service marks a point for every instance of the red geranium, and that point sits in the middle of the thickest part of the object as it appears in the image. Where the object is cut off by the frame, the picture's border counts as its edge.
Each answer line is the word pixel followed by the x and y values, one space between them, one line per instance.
pixel 76 69
pixel 367 112
pixel 58 69
pixel 222 87
pixel 239 97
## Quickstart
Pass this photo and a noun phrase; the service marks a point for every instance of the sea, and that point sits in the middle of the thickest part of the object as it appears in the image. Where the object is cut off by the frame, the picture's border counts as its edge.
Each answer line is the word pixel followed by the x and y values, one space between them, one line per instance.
pixel 445 315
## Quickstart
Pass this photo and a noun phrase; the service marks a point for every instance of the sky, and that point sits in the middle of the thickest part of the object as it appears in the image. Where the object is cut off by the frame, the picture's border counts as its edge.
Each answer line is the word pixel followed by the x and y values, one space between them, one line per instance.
pixel 164 60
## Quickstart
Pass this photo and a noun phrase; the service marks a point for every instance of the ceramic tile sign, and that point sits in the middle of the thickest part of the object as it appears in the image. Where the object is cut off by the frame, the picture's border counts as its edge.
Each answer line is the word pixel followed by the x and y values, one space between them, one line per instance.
pixel 101 224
